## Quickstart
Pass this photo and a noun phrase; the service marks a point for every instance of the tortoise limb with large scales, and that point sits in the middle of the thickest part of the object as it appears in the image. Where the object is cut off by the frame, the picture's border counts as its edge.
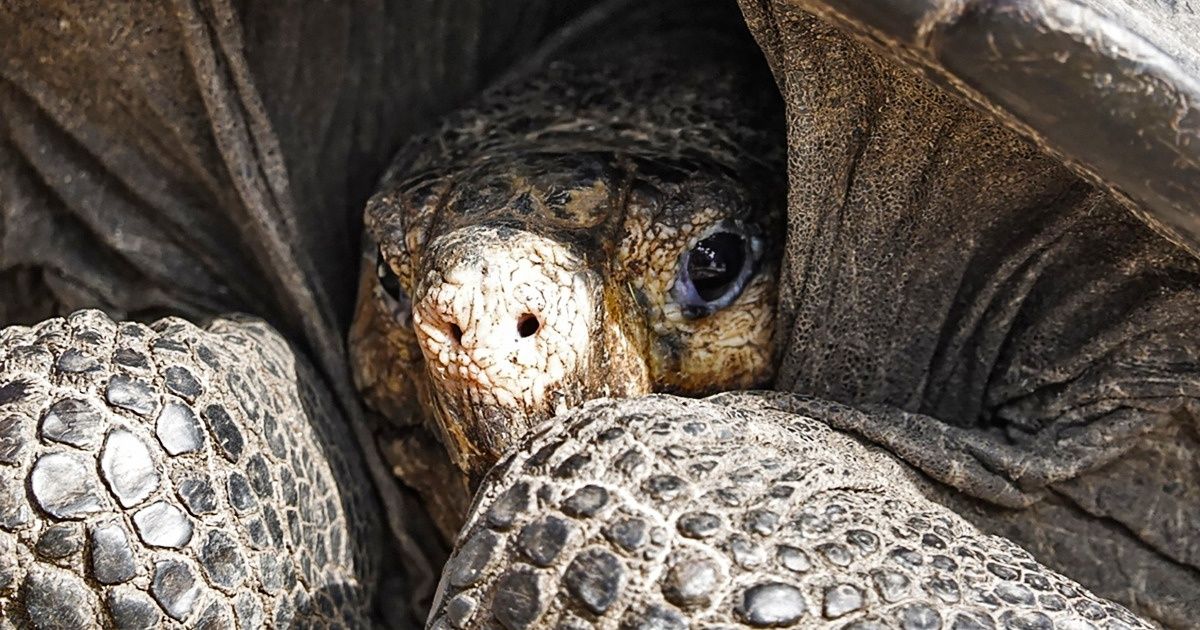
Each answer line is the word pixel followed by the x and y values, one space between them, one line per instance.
pixel 1017 352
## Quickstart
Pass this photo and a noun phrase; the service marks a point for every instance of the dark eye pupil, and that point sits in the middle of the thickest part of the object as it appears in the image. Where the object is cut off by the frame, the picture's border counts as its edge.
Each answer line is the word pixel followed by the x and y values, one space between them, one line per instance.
pixel 715 262
pixel 387 278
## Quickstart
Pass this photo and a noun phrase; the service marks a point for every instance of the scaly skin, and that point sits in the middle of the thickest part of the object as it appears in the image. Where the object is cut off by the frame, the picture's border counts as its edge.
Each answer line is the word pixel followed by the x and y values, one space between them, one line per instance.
pixel 672 513
pixel 172 476
pixel 1009 329
pixel 655 512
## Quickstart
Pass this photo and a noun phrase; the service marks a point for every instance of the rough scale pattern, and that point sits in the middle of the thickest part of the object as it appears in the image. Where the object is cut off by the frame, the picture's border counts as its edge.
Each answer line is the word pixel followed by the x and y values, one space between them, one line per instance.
pixel 169 475
pixel 668 513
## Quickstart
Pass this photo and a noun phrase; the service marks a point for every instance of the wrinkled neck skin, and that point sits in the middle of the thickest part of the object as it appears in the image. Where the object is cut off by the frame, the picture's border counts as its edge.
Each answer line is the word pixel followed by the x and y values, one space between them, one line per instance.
pixel 536 242
pixel 1011 330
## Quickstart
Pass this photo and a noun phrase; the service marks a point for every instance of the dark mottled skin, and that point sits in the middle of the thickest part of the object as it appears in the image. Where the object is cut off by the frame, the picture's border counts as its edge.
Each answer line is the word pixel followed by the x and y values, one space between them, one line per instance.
pixel 625 169
pixel 1012 330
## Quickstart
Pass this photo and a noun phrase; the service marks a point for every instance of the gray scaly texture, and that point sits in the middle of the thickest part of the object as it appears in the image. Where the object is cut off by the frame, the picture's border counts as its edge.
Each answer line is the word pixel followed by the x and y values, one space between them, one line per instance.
pixel 170 476
pixel 665 512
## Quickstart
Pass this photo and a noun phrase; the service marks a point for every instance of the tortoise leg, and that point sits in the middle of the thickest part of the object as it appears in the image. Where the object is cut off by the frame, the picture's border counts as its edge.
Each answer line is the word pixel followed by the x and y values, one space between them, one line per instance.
pixel 668 513
pixel 170 473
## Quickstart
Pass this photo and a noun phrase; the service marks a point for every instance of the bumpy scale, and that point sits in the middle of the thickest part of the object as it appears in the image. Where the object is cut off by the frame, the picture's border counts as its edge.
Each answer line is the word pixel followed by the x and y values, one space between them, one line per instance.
pixel 670 513
pixel 172 476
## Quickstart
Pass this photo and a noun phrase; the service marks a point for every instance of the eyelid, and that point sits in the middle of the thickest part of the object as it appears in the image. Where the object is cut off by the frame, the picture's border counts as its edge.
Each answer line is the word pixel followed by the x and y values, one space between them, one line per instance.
pixel 373 252
pixel 384 272
pixel 381 258
pixel 684 291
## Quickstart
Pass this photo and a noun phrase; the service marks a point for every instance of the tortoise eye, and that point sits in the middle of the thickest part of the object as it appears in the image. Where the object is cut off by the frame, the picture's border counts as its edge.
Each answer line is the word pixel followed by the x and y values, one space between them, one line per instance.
pixel 715 263
pixel 715 271
pixel 388 281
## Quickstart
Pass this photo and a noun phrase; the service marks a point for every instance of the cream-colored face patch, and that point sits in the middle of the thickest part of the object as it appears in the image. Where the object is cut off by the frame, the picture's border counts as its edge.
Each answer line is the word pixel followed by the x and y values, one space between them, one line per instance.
pixel 507 316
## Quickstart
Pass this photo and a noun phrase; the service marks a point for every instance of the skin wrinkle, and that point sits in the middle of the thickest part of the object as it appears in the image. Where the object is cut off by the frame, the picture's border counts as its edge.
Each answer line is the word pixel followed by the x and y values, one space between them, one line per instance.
pixel 24 141
pixel 1028 269
pixel 925 179
pixel 803 278
pixel 71 122
pixel 1125 530
pixel 1119 337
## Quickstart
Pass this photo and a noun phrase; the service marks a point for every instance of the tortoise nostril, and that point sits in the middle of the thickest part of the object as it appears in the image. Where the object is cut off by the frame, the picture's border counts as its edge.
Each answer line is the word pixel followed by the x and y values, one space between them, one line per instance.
pixel 456 333
pixel 528 325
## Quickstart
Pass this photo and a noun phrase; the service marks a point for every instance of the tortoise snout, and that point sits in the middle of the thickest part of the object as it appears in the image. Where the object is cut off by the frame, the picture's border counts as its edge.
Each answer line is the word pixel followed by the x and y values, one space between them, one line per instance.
pixel 503 318
pixel 464 317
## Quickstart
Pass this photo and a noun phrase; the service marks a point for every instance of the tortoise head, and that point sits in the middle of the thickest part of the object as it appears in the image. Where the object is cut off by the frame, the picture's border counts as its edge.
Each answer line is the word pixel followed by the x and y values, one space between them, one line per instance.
pixel 499 291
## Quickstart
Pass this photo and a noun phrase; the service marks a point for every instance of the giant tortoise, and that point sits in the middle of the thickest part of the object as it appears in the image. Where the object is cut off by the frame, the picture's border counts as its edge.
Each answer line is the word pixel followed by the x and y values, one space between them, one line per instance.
pixel 959 256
